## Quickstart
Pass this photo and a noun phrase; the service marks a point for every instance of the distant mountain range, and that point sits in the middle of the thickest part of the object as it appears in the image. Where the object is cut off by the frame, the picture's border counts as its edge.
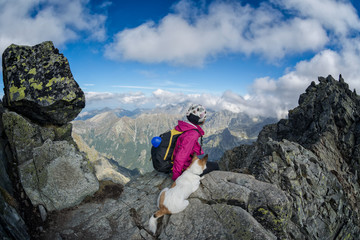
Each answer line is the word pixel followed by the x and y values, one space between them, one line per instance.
pixel 125 136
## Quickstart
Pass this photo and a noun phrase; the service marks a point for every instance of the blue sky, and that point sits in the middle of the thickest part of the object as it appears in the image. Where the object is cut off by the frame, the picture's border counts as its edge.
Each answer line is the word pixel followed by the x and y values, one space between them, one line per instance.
pixel 245 56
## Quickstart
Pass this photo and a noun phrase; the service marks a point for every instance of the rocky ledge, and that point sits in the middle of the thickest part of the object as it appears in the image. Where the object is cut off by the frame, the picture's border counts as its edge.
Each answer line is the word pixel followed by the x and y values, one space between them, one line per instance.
pixel 226 206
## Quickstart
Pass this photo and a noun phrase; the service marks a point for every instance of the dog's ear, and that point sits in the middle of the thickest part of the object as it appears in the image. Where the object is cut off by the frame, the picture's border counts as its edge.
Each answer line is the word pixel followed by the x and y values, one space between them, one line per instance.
pixel 202 162
pixel 194 157
pixel 205 158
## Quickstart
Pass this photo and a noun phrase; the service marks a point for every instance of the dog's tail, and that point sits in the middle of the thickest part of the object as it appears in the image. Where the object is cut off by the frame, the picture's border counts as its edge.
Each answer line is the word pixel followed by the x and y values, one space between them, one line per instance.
pixel 161 212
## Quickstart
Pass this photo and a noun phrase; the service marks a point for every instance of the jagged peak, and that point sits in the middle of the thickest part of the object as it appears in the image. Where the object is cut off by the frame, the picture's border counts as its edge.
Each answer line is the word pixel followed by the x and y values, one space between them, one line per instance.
pixel 327 109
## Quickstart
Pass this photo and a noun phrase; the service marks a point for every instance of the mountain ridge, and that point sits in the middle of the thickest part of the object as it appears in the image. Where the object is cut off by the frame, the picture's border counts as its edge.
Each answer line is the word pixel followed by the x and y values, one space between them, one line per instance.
pixel 113 135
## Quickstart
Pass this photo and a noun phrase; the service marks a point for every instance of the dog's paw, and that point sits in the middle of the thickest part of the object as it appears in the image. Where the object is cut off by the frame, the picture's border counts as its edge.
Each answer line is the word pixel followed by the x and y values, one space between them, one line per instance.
pixel 201 178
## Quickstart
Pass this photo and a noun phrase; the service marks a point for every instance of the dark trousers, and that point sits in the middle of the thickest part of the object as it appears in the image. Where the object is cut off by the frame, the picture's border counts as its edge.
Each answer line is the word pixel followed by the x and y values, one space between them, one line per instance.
pixel 210 166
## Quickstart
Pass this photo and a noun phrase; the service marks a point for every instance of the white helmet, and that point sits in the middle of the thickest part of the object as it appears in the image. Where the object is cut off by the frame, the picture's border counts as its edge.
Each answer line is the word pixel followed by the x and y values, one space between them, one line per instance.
pixel 196 114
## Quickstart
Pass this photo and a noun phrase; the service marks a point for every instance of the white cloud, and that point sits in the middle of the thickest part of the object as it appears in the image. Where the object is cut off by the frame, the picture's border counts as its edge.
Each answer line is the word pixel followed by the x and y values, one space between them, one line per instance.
pixel 161 97
pixel 29 22
pixel 122 97
pixel 98 100
pixel 274 97
pixel 336 15
pixel 190 36
pixel 165 85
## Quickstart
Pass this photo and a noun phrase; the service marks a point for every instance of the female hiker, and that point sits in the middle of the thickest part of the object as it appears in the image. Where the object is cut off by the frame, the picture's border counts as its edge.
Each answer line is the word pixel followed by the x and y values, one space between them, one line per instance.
pixel 187 144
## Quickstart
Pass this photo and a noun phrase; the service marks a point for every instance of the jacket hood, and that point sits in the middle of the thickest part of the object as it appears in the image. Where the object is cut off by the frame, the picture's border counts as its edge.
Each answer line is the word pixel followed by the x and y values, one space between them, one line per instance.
pixel 185 126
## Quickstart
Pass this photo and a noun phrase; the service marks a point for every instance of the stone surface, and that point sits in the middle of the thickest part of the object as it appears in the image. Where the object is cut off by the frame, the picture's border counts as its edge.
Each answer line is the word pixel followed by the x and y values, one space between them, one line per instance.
pixel 24 135
pixel 313 157
pixel 57 176
pixel 52 171
pixel 12 226
pixel 38 84
pixel 226 206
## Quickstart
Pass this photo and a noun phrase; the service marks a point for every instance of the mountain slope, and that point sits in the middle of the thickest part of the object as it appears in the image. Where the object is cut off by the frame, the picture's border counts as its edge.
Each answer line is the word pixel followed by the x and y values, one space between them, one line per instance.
pixel 127 140
pixel 105 168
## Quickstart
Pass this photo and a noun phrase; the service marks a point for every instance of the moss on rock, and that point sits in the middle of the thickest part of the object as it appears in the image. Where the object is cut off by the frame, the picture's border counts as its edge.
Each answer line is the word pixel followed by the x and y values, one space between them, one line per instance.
pixel 38 83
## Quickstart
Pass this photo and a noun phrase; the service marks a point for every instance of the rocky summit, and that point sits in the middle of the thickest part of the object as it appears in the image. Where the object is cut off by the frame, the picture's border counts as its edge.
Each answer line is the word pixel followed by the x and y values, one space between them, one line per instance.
pixel 38 84
pixel 277 188
pixel 299 180
pixel 314 157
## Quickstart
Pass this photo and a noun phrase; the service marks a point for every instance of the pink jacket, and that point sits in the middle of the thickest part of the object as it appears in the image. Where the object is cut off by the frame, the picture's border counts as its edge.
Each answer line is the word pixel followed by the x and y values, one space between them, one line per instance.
pixel 186 145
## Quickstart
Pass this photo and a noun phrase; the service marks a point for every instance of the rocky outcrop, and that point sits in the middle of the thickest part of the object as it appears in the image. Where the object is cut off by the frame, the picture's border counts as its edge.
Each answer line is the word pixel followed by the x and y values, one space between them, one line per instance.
pixel 226 206
pixel 313 157
pixel 43 168
pixel 38 84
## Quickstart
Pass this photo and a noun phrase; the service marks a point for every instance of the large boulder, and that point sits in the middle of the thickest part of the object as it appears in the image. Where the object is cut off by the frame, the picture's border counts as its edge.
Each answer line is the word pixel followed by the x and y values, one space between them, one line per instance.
pixel 226 206
pixel 314 157
pixel 38 84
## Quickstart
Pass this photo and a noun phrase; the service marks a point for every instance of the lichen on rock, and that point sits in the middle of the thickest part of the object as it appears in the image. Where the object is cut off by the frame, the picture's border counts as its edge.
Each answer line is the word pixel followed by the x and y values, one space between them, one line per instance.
pixel 24 135
pixel 38 83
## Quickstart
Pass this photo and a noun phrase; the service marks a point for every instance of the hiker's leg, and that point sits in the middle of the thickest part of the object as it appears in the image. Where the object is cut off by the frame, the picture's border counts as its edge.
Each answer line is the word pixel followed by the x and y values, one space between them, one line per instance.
pixel 210 166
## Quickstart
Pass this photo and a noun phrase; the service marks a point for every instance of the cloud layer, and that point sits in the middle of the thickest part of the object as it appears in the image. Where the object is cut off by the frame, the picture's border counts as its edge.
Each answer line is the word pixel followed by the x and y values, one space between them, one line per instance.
pixel 262 105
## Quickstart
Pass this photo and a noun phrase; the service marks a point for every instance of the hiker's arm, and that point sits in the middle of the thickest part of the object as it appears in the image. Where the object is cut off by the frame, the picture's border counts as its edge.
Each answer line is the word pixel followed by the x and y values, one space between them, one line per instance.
pixel 183 152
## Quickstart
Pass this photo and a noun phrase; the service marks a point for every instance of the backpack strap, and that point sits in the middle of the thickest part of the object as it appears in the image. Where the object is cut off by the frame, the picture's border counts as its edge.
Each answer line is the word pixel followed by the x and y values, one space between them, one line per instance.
pixel 172 132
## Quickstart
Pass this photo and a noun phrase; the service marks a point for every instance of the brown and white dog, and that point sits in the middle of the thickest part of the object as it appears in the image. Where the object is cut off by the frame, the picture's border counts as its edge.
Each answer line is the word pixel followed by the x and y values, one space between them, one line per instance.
pixel 174 199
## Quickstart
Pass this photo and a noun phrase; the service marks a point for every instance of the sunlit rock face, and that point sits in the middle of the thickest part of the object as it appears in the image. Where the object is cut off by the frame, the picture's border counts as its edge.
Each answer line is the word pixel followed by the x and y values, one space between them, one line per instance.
pixel 314 157
pixel 38 84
